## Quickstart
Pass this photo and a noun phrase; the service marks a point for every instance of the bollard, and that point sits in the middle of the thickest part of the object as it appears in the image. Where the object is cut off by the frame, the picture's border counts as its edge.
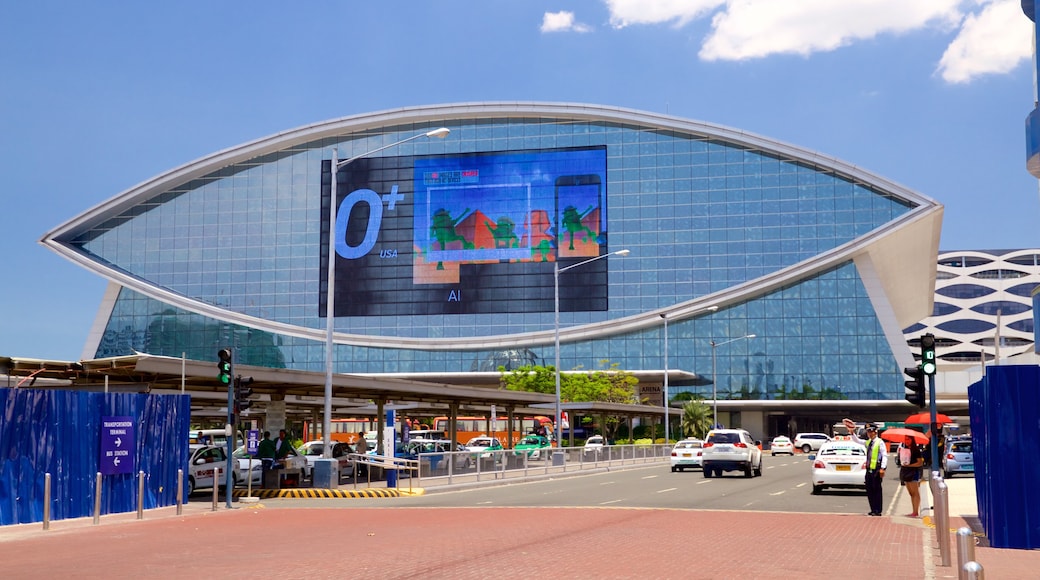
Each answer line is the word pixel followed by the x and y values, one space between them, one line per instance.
pixel 47 501
pixel 180 491
pixel 974 571
pixel 216 485
pixel 965 551
pixel 941 514
pixel 97 500
pixel 140 495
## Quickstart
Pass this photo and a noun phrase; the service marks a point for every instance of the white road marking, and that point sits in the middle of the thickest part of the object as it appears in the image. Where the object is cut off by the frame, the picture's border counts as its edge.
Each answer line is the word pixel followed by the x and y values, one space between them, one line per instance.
pixel 608 483
pixel 703 482
pixel 779 492
pixel 664 490
pixel 803 484
pixel 611 501
pixel 649 476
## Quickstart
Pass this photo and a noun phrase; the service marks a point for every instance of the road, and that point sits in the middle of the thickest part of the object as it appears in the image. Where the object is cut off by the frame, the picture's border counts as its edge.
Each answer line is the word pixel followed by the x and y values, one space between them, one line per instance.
pixel 783 487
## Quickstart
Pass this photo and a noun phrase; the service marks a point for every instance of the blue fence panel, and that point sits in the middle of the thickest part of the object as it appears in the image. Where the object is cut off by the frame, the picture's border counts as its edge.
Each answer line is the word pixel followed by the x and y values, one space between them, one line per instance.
pixel 1005 424
pixel 59 432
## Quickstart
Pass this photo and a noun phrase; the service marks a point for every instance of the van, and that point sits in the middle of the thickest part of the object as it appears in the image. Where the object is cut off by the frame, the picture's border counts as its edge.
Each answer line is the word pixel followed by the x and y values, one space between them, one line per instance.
pixel 426 435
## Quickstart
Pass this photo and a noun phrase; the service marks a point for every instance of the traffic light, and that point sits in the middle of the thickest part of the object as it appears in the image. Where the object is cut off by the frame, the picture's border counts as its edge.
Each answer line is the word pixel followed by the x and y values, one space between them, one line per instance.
pixel 916 386
pixel 243 391
pixel 928 353
pixel 224 364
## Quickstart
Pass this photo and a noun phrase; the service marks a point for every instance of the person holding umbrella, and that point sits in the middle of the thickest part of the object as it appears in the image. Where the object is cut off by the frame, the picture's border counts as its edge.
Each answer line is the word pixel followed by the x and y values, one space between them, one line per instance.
pixel 877 461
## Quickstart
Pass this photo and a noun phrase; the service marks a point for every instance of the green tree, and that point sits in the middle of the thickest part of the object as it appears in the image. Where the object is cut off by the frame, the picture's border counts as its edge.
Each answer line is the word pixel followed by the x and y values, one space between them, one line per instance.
pixel 696 419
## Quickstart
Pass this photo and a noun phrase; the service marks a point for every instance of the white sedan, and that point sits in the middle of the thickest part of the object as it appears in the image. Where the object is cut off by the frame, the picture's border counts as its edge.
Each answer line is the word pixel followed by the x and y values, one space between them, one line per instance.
pixel 687 453
pixel 840 464
pixel 781 444
pixel 341 452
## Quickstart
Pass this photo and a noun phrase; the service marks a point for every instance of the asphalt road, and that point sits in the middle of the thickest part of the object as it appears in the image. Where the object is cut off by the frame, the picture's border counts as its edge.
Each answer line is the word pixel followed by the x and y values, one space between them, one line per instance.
pixel 783 487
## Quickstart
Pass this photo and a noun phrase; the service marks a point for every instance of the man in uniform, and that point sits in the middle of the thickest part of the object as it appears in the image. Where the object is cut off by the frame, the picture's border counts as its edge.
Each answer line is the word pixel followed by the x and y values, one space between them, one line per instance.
pixel 877 461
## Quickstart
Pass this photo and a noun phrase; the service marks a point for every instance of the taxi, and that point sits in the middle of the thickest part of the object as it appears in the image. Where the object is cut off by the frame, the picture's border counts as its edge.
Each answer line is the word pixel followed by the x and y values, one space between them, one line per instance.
pixel 687 453
pixel 532 446
pixel 484 445
pixel 839 464
pixel 204 462
pixel 781 444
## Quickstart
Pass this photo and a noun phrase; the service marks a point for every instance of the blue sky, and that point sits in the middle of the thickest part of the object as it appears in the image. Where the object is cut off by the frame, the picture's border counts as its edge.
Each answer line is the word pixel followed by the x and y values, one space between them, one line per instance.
pixel 96 97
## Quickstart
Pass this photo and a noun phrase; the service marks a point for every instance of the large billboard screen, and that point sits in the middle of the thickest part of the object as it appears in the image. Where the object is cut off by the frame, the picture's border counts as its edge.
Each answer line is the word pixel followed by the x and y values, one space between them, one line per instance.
pixel 468 234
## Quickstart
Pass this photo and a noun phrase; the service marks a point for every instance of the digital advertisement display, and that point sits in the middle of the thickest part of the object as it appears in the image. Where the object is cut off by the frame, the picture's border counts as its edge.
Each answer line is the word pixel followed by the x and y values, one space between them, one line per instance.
pixel 468 234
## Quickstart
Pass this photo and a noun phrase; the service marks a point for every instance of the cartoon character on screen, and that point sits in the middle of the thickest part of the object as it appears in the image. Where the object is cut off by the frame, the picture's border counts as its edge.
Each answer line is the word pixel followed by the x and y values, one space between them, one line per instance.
pixel 572 223
pixel 503 233
pixel 443 228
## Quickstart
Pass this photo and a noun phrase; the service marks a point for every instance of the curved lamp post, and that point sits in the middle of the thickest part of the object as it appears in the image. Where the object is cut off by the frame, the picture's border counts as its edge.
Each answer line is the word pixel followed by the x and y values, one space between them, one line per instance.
pixel 330 300
pixel 664 317
pixel 715 377
pixel 556 302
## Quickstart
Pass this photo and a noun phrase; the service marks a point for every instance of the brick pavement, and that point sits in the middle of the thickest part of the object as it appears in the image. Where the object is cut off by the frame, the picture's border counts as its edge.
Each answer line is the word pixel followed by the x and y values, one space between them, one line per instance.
pixel 481 542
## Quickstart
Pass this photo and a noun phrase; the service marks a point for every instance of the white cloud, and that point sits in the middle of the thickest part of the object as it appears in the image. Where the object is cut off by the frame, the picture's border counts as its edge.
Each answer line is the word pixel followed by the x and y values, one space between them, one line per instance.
pixel 627 12
pixel 993 41
pixel 755 28
pixel 562 21
pixel 992 36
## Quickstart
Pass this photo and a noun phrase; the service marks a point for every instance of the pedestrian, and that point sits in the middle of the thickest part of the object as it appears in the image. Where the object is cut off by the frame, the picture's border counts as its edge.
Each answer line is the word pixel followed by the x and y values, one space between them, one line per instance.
pixel 911 460
pixel 282 447
pixel 361 447
pixel 877 461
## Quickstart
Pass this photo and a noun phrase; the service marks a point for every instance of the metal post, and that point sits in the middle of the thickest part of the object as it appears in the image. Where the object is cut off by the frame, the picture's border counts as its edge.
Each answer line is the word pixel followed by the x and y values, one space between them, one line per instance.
pixel 140 495
pixel 714 388
pixel 965 551
pixel 97 499
pixel 47 501
pixel 180 491
pixel 932 427
pixel 556 326
pixel 216 485
pixel 974 571
pixel 941 513
pixel 665 394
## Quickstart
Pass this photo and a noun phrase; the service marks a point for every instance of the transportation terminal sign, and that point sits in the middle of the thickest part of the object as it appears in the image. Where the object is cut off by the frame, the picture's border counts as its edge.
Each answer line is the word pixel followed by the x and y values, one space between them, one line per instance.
pixel 117 445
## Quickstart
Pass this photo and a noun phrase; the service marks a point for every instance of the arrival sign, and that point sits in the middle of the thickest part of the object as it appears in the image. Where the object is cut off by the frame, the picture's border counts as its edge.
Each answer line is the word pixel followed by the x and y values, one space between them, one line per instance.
pixel 117 445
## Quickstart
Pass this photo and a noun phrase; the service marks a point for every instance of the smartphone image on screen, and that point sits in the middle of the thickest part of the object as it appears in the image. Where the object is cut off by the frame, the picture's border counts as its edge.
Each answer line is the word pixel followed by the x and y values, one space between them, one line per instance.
pixel 579 216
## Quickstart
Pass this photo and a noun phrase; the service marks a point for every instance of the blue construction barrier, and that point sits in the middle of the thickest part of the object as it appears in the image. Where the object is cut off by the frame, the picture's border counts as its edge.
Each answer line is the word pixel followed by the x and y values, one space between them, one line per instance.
pixel 1005 428
pixel 59 432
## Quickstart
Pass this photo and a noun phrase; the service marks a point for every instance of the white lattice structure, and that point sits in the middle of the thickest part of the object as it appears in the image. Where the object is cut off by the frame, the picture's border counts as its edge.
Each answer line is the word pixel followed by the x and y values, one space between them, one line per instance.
pixel 982 306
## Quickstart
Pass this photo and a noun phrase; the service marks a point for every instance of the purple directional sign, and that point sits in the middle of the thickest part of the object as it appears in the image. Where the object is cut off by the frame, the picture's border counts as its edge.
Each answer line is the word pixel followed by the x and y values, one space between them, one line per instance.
pixel 117 445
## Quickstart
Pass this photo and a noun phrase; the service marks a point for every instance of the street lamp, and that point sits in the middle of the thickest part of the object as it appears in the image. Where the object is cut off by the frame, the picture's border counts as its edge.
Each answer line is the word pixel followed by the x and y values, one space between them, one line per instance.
pixel 556 302
pixel 330 300
pixel 664 317
pixel 715 377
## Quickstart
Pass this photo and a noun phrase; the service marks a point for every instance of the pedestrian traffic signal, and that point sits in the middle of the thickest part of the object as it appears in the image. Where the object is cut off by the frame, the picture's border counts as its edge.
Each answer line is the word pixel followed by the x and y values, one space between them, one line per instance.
pixel 928 353
pixel 243 390
pixel 916 386
pixel 224 364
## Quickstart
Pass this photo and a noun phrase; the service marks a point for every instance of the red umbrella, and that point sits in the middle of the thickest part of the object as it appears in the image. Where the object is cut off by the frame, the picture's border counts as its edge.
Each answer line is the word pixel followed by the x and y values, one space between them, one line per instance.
pixel 899 434
pixel 926 419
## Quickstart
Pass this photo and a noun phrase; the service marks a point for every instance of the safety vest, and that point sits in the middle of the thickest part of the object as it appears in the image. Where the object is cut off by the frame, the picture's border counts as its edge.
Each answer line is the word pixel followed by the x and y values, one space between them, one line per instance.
pixel 873 451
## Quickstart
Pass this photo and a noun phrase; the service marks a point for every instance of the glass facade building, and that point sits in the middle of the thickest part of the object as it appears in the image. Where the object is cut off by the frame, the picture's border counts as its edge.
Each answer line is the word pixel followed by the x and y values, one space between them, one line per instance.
pixel 444 252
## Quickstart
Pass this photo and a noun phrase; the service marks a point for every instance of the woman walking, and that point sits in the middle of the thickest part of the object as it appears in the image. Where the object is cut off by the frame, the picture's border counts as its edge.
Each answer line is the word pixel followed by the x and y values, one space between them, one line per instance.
pixel 911 460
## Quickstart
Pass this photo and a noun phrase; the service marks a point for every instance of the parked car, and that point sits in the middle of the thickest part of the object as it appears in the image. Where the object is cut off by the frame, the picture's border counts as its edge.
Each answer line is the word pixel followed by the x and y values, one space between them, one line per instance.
pixel 959 458
pixel 687 453
pixel 841 464
pixel 809 442
pixel 731 450
pixel 436 453
pixel 312 451
pixel 484 446
pixel 781 444
pixel 594 446
pixel 426 435
pixel 533 446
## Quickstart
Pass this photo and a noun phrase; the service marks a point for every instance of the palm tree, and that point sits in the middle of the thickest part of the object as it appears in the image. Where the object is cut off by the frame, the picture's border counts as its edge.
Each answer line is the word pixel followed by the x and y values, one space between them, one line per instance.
pixel 696 419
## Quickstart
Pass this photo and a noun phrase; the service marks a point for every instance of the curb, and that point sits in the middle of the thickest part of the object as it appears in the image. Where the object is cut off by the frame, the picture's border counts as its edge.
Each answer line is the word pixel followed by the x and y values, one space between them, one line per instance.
pixel 311 493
